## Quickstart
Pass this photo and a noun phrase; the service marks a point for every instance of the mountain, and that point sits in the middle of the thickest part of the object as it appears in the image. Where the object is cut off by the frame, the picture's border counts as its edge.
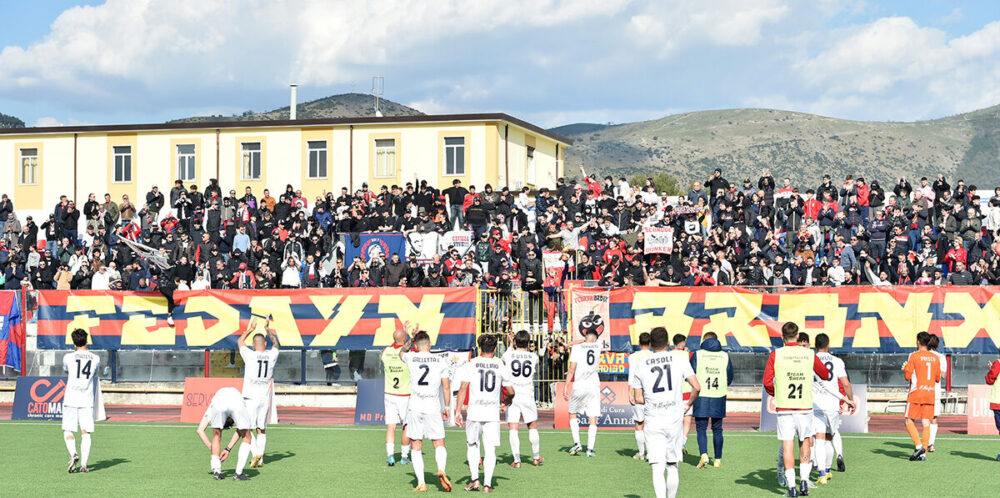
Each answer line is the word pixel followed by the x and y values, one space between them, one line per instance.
pixel 10 121
pixel 347 105
pixel 800 146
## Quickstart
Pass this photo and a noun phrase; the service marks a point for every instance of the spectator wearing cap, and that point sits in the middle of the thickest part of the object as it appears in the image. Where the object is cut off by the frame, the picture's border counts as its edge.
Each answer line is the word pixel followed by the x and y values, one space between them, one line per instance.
pixel 716 182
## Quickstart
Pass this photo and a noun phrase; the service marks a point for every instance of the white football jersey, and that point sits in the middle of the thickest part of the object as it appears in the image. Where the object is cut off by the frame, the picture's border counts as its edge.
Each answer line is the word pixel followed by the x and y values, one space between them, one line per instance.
pixel 661 377
pixel 485 376
pixel 258 369
pixel 634 360
pixel 587 357
pixel 522 366
pixel 426 372
pixel 81 368
pixel 943 361
pixel 824 391
pixel 225 401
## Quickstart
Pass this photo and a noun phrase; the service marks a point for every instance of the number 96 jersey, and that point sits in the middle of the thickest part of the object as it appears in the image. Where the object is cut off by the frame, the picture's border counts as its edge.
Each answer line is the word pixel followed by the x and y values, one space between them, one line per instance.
pixel 661 377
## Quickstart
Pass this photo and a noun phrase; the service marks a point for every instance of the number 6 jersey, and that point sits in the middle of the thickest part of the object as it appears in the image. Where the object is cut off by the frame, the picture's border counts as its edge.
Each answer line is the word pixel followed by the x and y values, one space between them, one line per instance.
pixel 587 357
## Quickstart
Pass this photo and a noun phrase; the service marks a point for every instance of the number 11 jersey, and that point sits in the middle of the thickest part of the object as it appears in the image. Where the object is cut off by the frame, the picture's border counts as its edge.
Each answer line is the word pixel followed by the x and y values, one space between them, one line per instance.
pixel 258 369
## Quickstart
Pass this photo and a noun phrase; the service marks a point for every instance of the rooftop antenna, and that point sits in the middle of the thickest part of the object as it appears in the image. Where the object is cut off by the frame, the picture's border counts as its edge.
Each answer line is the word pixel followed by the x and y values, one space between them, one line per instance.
pixel 377 86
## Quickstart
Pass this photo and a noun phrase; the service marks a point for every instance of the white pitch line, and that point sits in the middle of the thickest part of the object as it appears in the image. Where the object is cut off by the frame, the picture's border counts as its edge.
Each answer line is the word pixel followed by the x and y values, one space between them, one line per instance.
pixel 618 432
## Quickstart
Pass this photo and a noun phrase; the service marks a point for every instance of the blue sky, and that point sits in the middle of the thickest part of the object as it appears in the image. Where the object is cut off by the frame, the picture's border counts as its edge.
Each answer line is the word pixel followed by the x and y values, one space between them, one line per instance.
pixel 551 62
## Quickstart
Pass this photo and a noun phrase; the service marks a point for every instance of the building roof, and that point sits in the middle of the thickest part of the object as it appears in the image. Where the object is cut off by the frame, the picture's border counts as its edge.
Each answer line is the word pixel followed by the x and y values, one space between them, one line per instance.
pixel 204 125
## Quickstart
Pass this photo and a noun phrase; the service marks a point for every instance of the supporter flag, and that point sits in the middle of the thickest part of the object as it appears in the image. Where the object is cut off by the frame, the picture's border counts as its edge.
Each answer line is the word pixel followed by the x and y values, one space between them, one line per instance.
pixel 591 310
pixel 148 253
pixel 658 240
pixel 371 244
pixel 11 333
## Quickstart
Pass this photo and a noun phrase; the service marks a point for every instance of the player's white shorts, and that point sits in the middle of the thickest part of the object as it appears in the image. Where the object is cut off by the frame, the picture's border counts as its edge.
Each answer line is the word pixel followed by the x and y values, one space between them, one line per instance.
pixel 585 402
pixel 523 406
pixel 638 413
pixel 826 421
pixel 664 439
pixel 795 424
pixel 259 411
pixel 689 412
pixel 489 431
pixel 395 409
pixel 424 426
pixel 82 417
pixel 241 419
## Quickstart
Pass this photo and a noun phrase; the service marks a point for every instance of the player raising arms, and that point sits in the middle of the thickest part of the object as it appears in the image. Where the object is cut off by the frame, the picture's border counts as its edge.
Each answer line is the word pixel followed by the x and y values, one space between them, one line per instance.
pixel 425 414
pixel 225 410
pixel 81 367
pixel 483 379
pixel 788 377
pixel 258 369
pixel 521 365
pixel 657 385
pixel 583 390
pixel 923 372
pixel 397 395
pixel 932 346
pixel 826 406
pixel 638 411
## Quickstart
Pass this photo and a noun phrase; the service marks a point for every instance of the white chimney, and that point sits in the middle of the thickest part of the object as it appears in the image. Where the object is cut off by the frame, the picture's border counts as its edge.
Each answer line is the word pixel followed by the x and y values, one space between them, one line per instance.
pixel 292 107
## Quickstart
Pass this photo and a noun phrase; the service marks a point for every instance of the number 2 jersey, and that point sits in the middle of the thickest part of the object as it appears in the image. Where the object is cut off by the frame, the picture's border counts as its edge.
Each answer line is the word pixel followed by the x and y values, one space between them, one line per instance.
pixel 521 365
pixel 81 367
pixel 661 377
pixel 824 391
pixel 485 376
pixel 258 369
pixel 426 372
pixel 587 357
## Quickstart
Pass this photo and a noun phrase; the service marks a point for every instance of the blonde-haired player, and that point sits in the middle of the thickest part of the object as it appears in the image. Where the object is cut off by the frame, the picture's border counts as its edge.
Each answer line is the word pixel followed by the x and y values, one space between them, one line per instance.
pixel 258 370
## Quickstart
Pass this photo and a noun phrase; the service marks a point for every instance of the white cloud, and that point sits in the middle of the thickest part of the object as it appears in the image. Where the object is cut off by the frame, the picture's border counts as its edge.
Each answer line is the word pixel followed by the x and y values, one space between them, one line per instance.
pixel 669 25
pixel 158 44
pixel 48 121
pixel 430 106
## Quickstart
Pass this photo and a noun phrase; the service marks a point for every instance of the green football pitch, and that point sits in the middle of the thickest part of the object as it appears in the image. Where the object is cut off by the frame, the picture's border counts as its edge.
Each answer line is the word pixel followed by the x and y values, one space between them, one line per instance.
pixel 169 459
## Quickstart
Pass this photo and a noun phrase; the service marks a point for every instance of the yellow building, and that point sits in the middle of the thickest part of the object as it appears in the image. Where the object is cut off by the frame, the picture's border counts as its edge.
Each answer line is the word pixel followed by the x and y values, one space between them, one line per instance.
pixel 41 164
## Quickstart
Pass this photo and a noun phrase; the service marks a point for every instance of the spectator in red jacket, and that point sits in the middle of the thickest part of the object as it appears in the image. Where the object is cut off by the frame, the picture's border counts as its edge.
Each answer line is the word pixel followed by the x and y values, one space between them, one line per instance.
pixel 811 207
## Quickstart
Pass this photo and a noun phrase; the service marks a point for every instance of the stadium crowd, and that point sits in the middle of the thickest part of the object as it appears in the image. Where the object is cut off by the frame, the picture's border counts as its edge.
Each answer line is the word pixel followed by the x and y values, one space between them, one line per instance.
pixel 753 233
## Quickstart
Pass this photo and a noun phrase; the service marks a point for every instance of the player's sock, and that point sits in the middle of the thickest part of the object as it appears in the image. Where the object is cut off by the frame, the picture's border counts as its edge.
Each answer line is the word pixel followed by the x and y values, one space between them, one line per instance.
pixel 591 436
pixel 838 444
pixel 441 457
pixel 515 445
pixel 790 477
pixel 574 427
pixel 828 464
pixel 535 443
pixel 673 480
pixel 390 449
pixel 914 435
pixel 253 443
pixel 70 442
pixel 819 455
pixel 804 470
pixel 418 466
pixel 84 449
pixel 489 464
pixel 472 455
pixel 927 436
pixel 243 455
pixel 640 442
pixel 261 443
pixel 659 481
pixel 216 464
pixel 934 428
pixel 404 451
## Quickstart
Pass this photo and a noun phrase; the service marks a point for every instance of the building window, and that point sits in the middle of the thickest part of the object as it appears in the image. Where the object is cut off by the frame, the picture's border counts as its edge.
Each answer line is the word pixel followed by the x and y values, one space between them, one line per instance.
pixel 385 158
pixel 251 161
pixel 186 162
pixel 454 155
pixel 530 162
pixel 123 163
pixel 29 166
pixel 317 159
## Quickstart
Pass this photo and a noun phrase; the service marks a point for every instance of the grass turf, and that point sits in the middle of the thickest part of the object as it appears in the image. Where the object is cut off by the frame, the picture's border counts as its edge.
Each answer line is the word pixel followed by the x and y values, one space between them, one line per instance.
pixel 169 459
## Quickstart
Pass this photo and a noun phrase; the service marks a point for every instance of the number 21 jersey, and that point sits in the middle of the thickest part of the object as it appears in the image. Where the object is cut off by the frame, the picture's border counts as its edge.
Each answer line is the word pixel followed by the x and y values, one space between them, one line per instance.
pixel 661 377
